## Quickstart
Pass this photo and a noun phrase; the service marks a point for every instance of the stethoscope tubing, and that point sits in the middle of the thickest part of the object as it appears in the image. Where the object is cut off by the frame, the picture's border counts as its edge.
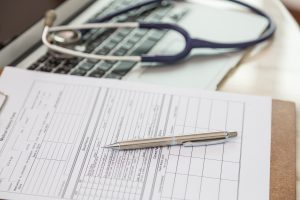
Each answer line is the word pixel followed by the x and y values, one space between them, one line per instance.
pixel 190 42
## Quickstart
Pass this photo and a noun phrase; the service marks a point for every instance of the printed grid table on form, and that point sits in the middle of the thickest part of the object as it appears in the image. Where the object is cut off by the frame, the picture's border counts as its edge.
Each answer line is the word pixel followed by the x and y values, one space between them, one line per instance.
pixel 78 120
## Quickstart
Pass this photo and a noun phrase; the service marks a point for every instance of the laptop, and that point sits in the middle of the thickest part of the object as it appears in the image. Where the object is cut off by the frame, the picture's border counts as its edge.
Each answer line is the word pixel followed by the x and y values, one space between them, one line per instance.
pixel 22 25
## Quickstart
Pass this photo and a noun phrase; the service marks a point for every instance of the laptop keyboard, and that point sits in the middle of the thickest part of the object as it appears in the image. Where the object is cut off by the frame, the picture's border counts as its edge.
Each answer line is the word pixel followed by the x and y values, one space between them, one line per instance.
pixel 117 42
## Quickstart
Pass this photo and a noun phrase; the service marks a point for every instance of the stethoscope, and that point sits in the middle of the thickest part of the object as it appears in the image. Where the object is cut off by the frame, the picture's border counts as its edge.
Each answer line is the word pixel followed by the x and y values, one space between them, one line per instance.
pixel 65 35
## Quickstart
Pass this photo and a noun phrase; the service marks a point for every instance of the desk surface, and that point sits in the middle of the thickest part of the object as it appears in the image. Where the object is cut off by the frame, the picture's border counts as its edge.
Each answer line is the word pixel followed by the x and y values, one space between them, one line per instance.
pixel 272 69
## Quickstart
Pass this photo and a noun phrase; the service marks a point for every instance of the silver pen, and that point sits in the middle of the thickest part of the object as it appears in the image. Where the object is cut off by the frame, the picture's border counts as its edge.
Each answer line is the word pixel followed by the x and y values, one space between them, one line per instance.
pixel 197 139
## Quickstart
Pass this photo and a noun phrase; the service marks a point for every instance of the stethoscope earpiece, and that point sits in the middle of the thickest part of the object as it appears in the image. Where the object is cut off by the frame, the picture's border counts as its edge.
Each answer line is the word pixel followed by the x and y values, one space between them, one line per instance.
pixel 50 18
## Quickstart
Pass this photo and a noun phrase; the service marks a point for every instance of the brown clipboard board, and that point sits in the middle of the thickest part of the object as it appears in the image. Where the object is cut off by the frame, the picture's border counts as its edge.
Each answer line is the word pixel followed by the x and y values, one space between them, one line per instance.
pixel 283 151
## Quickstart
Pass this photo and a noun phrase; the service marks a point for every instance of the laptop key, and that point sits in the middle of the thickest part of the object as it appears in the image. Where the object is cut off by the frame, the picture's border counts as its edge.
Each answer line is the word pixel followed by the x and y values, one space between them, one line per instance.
pixel 125 31
pixel 69 65
pixel 153 20
pixel 86 36
pixel 112 61
pixel 33 66
pixel 103 51
pixel 97 73
pixel 157 35
pixel 51 65
pixel 127 45
pixel 79 72
pixel 105 65
pixel 96 40
pixel 66 68
pixel 62 70
pixel 73 61
pixel 144 48
pixel 110 45
pixel 89 49
pixel 45 69
pixel 92 61
pixel 120 52
pixel 117 38
pixel 86 66
pixel 162 10
pixel 100 36
pixel 122 18
pixel 138 36
pixel 114 76
pixel 104 35
pixel 123 67
pixel 141 32
pixel 134 39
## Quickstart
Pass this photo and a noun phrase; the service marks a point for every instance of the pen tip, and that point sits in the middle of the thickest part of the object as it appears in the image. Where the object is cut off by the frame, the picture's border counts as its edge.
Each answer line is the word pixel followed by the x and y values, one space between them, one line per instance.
pixel 111 146
pixel 232 134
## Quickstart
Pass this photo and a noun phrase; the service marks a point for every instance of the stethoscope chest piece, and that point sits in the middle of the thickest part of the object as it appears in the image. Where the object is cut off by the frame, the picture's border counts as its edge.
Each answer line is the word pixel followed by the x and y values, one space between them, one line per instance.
pixel 65 37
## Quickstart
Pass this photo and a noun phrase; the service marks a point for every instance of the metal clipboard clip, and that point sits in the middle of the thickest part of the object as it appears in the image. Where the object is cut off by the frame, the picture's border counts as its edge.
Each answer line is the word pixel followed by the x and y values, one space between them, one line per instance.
pixel 3 98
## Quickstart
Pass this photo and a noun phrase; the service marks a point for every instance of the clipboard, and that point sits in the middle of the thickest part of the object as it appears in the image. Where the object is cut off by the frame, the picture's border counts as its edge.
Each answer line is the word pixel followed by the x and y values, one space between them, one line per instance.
pixel 283 151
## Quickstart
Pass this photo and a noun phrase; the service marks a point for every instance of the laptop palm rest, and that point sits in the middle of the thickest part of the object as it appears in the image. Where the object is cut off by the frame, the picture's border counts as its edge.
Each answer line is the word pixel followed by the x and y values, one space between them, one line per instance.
pixel 204 68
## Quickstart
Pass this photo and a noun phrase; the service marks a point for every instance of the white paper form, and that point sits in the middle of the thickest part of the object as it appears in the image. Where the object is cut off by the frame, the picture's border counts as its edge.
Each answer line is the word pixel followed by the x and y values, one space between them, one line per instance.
pixel 53 127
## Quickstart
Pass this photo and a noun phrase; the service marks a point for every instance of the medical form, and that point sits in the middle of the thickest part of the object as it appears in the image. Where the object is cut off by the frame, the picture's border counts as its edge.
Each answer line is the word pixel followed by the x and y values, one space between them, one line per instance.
pixel 53 127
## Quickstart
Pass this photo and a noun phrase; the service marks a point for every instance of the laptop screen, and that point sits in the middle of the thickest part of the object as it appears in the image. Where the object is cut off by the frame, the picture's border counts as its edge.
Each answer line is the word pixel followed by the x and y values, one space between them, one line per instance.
pixel 17 16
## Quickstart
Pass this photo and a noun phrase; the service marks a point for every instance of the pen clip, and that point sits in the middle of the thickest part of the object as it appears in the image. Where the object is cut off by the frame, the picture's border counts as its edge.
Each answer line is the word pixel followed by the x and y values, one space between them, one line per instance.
pixel 204 143
pixel 3 98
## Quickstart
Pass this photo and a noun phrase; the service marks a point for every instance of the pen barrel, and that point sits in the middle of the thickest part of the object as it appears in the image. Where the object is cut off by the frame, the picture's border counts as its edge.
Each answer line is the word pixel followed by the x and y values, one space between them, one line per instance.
pixel 172 140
